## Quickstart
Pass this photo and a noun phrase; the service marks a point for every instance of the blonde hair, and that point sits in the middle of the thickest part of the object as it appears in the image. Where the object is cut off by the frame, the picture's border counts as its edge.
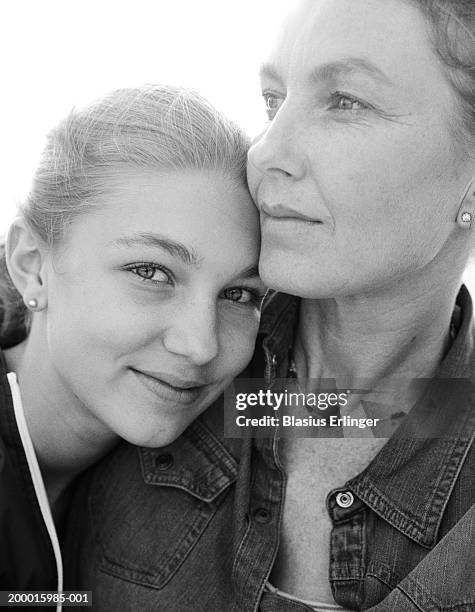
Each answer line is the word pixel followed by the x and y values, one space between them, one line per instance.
pixel 149 127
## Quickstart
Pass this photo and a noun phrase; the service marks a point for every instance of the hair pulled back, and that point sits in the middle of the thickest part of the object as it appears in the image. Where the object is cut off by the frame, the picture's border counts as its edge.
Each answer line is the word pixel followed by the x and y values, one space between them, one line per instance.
pixel 149 127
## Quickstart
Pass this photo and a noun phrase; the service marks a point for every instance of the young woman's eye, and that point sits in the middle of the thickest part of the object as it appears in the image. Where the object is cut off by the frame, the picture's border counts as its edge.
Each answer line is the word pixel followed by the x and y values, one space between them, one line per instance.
pixel 151 272
pixel 345 102
pixel 240 295
pixel 272 103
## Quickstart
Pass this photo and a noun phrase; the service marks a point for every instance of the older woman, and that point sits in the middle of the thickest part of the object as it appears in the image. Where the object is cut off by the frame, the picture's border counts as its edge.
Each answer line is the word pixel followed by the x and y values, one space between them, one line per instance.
pixel 365 181
pixel 364 178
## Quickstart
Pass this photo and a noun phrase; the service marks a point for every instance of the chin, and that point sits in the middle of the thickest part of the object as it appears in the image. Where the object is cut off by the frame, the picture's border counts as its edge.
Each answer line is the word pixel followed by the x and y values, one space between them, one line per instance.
pixel 155 438
pixel 153 433
pixel 292 274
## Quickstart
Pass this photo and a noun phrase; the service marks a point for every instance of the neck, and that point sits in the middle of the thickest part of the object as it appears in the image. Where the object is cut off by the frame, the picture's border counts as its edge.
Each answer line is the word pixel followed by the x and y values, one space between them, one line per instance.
pixel 67 438
pixel 399 331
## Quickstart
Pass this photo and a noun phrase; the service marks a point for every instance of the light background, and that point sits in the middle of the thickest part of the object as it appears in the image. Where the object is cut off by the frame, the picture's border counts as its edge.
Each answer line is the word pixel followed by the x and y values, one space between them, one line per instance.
pixel 60 53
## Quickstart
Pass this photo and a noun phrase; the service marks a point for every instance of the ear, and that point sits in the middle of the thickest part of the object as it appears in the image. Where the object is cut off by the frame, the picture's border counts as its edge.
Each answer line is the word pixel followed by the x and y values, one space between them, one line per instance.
pixel 466 211
pixel 25 258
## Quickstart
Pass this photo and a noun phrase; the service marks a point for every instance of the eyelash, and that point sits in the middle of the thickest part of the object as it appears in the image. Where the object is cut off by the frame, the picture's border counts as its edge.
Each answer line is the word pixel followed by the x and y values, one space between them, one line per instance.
pixel 268 95
pixel 338 96
pixel 255 297
pixel 135 267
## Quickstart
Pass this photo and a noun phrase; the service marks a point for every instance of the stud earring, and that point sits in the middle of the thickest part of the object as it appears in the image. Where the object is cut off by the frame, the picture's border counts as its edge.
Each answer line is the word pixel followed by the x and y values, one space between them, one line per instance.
pixel 466 217
pixel 32 304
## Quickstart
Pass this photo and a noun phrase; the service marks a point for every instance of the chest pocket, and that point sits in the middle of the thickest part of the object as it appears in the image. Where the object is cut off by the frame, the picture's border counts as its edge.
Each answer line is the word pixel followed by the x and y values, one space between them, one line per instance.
pixel 150 507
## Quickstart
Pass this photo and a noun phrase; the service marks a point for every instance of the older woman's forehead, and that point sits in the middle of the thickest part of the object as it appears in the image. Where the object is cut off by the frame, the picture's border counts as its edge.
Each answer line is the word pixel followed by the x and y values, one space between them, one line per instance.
pixel 390 34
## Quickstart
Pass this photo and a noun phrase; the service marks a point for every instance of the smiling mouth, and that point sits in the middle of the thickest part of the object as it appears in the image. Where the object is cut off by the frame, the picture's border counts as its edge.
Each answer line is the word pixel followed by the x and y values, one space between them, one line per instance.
pixel 171 389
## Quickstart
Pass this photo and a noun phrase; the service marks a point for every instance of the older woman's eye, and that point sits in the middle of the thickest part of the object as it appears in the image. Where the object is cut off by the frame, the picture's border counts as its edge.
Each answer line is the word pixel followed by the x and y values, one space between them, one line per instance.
pixel 345 102
pixel 272 103
pixel 150 272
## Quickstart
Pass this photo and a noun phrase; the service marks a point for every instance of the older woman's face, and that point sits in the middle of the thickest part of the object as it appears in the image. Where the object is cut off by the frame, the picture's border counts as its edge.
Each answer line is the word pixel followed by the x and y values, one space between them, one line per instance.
pixel 357 176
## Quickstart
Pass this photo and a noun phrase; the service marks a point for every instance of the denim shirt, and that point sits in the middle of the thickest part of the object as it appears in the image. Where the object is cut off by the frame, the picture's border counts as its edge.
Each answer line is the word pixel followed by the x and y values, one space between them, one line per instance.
pixel 195 525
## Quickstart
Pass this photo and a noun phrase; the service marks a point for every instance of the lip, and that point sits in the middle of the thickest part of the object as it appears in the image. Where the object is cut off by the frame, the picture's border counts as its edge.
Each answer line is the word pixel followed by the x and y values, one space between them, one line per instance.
pixel 170 388
pixel 284 213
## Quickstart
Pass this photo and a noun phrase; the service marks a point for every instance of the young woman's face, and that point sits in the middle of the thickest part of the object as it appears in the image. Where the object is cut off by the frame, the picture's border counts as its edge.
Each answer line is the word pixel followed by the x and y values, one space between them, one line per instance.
pixel 153 301
pixel 358 175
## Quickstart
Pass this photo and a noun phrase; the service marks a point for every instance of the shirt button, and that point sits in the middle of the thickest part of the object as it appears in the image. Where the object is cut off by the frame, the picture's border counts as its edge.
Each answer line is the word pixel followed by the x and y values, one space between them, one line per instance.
pixel 164 462
pixel 261 515
pixel 345 500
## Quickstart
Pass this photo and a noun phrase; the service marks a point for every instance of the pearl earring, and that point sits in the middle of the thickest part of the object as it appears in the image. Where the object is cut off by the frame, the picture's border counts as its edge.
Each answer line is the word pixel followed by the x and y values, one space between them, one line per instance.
pixel 33 303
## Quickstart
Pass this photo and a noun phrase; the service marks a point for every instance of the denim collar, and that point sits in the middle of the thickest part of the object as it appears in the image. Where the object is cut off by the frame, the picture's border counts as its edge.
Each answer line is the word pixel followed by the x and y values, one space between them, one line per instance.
pixel 276 334
pixel 197 462
pixel 410 481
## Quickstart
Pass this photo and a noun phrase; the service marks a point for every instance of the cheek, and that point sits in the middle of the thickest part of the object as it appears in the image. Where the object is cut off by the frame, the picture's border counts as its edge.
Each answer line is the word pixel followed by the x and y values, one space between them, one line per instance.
pixel 370 170
pixel 237 342
pixel 253 179
pixel 391 194
pixel 95 322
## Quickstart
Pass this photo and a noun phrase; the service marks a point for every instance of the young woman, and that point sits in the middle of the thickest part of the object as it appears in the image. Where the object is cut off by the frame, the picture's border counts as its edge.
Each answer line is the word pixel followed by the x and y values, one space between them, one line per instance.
pixel 365 182
pixel 131 300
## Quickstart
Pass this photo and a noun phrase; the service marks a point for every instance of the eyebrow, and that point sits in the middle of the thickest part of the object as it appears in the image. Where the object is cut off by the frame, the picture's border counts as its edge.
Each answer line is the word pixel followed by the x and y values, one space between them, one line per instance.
pixel 348 66
pixel 270 71
pixel 176 249
pixel 250 272
pixel 332 70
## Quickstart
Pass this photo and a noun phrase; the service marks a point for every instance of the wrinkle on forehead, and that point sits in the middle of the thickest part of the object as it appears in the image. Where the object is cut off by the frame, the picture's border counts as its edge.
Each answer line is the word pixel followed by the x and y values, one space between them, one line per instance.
pixel 390 34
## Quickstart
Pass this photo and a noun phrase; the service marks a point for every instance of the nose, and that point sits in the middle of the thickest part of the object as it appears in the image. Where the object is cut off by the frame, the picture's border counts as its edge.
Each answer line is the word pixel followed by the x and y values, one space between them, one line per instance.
pixel 278 149
pixel 194 334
